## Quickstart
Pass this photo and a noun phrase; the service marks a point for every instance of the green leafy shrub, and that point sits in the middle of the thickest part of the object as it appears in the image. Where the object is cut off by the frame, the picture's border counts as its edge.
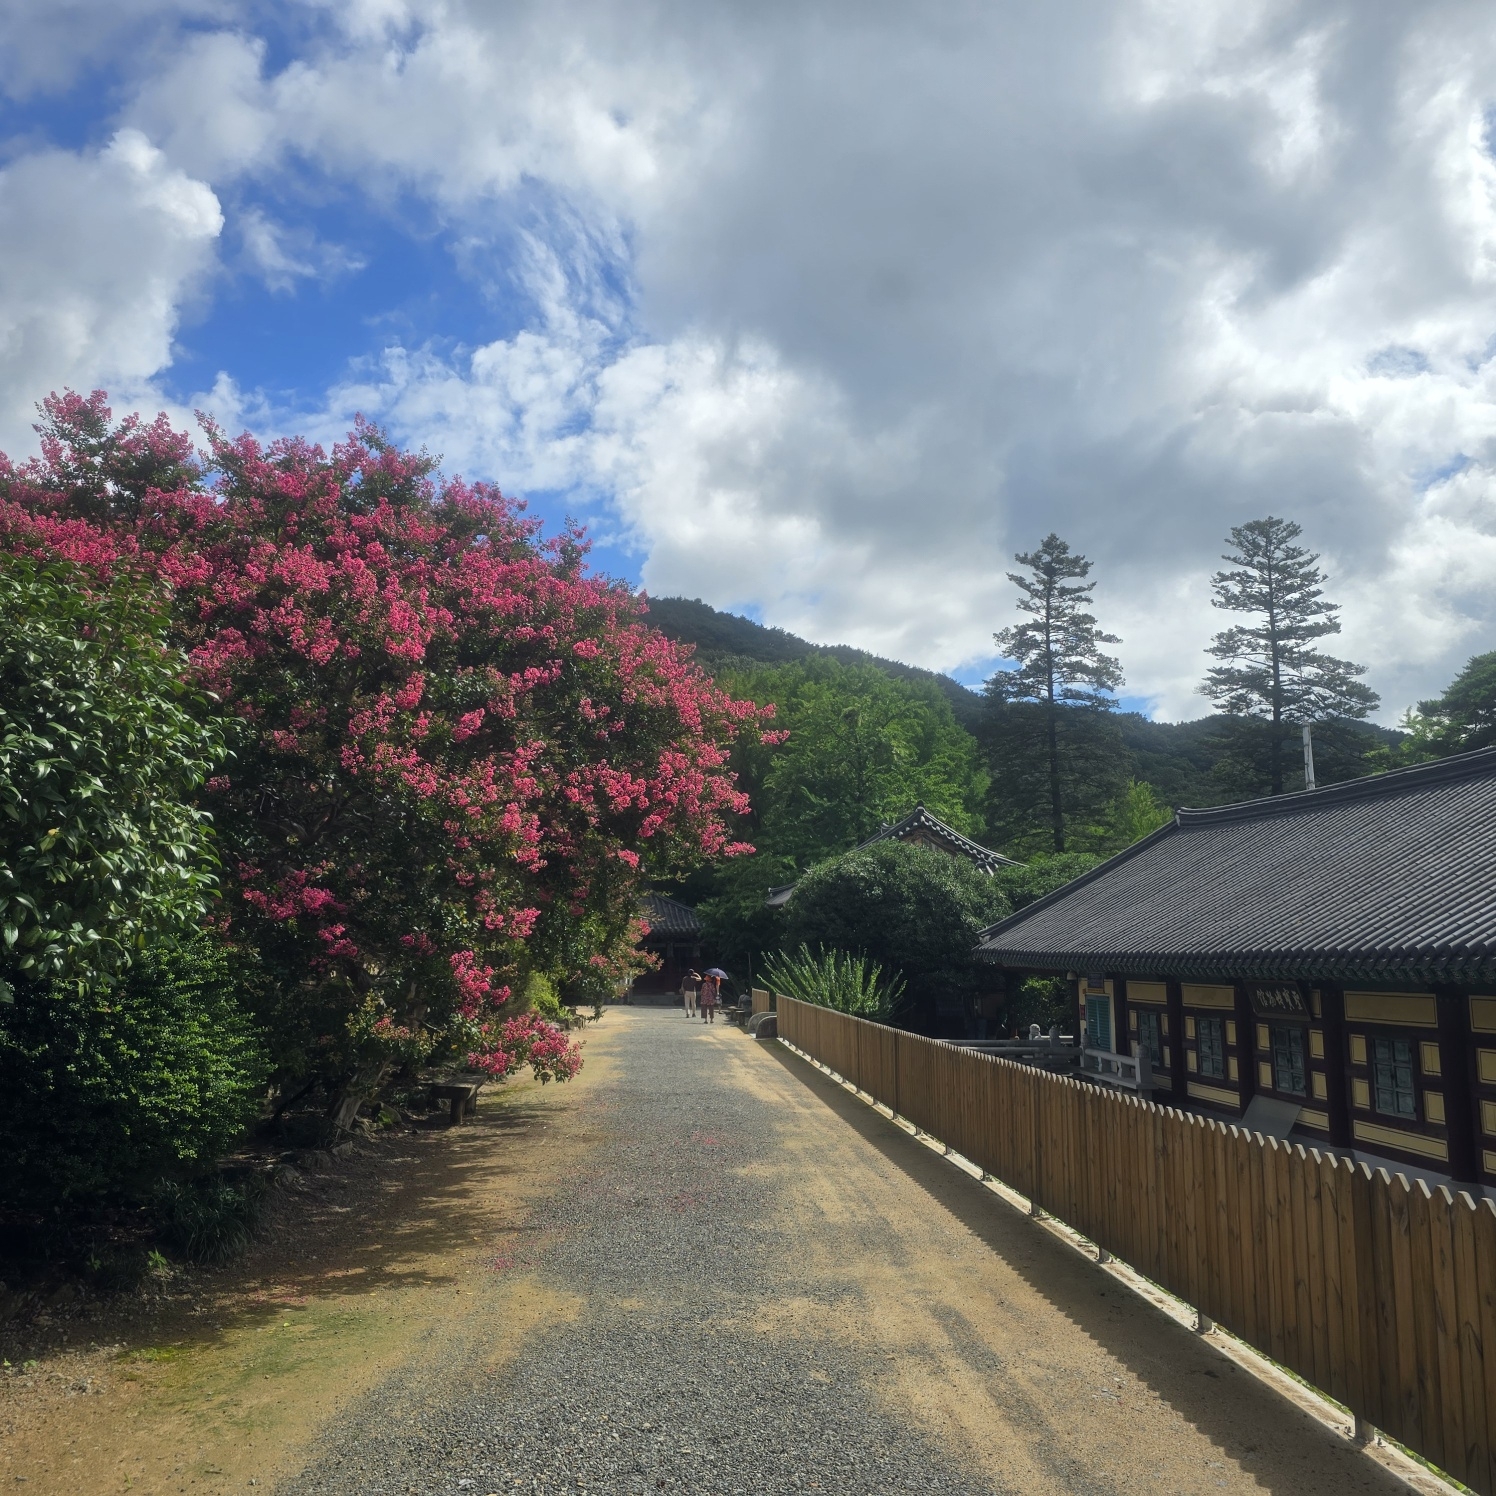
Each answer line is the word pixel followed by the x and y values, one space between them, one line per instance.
pixel 106 1089
pixel 537 994
pixel 835 979
pixel 101 750
pixel 212 1219
pixel 910 909
pixel 1031 880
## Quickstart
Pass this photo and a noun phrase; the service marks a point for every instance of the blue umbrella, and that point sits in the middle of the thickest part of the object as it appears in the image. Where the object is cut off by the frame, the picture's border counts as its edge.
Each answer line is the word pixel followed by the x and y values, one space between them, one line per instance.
pixel 716 971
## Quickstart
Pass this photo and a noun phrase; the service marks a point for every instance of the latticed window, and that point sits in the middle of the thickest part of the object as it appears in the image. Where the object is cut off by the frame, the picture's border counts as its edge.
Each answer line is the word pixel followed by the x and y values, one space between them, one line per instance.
pixel 1150 1037
pixel 1099 1022
pixel 1288 1060
pixel 1392 1089
pixel 1210 1046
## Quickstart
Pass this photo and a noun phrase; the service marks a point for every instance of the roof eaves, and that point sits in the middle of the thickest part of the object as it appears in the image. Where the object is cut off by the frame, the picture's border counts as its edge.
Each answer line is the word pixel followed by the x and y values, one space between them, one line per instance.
pixel 1464 968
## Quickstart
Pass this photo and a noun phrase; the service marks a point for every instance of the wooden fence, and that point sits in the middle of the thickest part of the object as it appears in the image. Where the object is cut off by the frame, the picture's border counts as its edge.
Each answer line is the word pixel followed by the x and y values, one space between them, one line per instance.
pixel 1379 1292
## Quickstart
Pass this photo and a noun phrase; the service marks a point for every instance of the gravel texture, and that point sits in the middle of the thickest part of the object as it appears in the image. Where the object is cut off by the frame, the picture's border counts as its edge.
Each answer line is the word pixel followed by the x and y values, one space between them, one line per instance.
pixel 670 1234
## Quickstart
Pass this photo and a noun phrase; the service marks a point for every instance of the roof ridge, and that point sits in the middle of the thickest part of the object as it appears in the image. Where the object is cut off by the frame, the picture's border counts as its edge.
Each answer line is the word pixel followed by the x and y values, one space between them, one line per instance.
pixel 1470 765
pixel 921 812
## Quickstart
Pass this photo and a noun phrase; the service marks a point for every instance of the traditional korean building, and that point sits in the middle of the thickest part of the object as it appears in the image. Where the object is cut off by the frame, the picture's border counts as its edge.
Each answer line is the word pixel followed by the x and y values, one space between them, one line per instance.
pixel 920 828
pixel 675 937
pixel 1321 964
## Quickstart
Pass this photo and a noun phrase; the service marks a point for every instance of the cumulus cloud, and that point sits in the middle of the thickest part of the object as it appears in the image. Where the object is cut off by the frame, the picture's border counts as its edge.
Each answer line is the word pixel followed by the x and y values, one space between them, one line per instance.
pixel 101 251
pixel 835 307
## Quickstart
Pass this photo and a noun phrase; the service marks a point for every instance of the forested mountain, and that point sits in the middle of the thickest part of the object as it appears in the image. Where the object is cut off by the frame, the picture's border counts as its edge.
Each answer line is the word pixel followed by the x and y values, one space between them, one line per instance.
pixel 724 640
pixel 1210 761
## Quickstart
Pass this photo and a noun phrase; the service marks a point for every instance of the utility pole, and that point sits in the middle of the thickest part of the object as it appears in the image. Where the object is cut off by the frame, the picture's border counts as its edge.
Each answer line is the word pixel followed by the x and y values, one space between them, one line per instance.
pixel 1308 758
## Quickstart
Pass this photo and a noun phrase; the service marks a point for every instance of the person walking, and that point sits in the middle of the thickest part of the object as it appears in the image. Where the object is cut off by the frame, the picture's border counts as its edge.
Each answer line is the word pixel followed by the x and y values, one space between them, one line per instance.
pixel 688 985
pixel 707 997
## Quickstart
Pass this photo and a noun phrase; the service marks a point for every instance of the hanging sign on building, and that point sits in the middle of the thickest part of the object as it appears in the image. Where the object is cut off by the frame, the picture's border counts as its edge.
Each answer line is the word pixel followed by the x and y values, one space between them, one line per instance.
pixel 1282 1001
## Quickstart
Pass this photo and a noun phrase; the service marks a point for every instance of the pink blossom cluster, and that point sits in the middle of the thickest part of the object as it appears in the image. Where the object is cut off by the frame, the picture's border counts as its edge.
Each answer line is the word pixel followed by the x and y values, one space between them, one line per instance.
pixel 460 751
pixel 527 1039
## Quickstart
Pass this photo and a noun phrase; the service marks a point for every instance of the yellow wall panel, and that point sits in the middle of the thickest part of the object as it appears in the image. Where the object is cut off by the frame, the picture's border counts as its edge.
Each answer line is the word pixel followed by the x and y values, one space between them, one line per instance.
pixel 1213 1094
pixel 1415 1009
pixel 1209 997
pixel 1406 1142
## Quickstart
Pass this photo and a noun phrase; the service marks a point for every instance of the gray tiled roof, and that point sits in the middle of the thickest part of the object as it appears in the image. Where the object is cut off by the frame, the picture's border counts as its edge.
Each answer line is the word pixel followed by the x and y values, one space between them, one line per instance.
pixel 1384 879
pixel 669 919
pixel 921 820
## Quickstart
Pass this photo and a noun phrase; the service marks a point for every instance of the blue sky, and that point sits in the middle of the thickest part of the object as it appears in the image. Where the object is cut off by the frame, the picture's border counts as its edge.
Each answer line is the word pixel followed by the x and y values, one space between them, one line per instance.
pixel 822 313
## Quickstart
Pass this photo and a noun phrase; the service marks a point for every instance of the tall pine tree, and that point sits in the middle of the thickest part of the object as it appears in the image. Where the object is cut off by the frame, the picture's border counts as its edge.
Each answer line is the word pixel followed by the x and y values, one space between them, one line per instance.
pixel 1060 663
pixel 1270 669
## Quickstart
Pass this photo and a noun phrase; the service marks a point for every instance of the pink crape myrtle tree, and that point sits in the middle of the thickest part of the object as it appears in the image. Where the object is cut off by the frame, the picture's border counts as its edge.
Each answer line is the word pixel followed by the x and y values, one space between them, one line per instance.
pixel 457 752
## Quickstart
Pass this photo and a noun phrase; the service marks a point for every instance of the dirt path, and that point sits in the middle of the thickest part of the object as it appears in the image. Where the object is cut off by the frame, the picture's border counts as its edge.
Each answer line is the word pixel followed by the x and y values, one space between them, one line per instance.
pixel 702 1267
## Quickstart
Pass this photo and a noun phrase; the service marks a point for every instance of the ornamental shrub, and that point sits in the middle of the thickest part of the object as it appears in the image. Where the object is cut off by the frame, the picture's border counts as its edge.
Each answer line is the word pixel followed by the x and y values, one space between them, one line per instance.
pixel 1026 882
pixel 460 753
pixel 109 1088
pixel 911 909
pixel 835 979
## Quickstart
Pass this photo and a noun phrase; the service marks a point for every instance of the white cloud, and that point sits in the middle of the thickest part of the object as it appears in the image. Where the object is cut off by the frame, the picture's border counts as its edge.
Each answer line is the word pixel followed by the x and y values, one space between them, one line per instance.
pixel 282 256
pixel 908 289
pixel 101 250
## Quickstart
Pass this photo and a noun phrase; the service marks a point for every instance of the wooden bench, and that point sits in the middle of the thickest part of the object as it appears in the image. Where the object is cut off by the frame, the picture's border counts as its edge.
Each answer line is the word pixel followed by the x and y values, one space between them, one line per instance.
pixel 461 1097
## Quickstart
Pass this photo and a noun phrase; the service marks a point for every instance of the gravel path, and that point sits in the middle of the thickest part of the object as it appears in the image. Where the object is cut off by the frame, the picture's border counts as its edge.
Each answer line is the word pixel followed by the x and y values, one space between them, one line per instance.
pixel 759 1285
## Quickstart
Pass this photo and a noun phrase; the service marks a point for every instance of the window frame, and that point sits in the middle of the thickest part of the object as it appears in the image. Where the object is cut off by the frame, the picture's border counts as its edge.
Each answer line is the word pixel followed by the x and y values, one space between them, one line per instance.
pixel 1210 1022
pixel 1151 1018
pixel 1099 998
pixel 1290 1032
pixel 1374 1041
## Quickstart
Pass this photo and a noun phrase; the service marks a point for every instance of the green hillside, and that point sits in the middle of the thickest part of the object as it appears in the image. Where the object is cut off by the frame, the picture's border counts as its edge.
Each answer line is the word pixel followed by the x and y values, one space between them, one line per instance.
pixel 724 640
pixel 1187 763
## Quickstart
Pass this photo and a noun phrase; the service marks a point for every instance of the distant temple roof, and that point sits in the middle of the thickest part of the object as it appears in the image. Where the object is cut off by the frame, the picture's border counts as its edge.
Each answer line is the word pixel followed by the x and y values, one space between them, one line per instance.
pixel 669 919
pixel 920 825
pixel 1391 878
pixel 922 828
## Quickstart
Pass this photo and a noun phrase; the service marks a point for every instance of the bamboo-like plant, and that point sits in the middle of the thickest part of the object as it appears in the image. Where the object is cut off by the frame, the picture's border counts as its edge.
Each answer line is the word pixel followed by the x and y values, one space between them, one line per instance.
pixel 835 979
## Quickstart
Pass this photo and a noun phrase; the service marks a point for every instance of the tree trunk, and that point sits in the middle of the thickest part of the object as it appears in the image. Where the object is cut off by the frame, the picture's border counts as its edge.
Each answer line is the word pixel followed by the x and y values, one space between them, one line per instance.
pixel 1056 813
pixel 365 1082
pixel 1276 645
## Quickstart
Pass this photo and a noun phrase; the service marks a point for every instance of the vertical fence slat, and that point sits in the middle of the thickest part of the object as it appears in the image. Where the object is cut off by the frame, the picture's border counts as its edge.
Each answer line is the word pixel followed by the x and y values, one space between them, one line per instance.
pixel 1426 1416
pixel 1337 1356
pixel 1447 1322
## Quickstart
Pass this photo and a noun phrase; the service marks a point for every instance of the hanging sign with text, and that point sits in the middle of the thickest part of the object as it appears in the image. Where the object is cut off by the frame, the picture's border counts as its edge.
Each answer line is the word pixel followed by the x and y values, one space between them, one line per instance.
pixel 1285 1001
